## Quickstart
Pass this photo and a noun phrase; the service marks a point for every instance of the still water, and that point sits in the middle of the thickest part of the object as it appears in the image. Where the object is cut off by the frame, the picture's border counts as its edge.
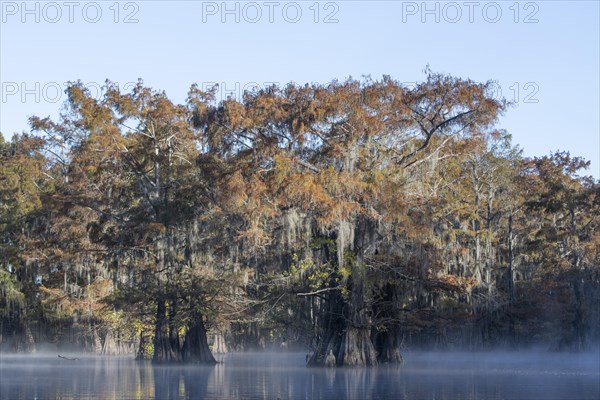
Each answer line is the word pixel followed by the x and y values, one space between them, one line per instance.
pixel 452 376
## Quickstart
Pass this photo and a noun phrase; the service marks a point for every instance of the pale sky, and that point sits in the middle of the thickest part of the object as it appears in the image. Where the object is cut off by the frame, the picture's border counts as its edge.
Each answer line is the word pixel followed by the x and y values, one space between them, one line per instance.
pixel 543 54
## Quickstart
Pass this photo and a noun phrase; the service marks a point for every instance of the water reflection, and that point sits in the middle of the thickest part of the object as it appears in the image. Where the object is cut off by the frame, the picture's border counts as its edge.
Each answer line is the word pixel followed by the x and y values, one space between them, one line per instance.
pixel 284 376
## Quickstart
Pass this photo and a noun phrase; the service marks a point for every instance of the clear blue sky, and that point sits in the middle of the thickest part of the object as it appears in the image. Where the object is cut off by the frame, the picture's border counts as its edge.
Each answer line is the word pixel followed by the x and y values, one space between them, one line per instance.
pixel 544 54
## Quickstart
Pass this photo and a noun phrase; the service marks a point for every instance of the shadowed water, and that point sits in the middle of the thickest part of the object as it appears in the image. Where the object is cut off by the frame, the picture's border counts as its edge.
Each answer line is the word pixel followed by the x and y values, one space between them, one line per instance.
pixel 440 376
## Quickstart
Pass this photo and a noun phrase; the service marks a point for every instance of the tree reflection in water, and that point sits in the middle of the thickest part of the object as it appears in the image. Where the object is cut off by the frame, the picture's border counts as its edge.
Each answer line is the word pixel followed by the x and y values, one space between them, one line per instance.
pixel 284 376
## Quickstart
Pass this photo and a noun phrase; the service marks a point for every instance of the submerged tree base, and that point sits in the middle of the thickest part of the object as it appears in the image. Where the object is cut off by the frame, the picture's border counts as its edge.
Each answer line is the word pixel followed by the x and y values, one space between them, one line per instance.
pixel 195 348
pixel 357 349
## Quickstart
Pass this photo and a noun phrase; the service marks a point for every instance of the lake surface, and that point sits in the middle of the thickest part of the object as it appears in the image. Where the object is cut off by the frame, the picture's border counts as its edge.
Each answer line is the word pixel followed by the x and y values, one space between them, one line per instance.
pixel 452 376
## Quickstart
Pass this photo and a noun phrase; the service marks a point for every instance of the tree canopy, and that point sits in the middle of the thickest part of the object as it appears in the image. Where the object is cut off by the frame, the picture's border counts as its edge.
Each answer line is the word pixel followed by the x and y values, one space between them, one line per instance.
pixel 354 218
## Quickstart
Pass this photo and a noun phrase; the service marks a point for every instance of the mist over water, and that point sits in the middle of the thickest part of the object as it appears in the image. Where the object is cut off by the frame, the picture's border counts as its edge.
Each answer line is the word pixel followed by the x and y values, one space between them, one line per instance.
pixel 425 375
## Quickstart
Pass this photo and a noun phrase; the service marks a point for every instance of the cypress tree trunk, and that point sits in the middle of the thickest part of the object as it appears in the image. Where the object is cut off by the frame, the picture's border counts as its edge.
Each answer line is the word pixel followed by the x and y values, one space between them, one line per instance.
pixel 348 332
pixel 333 324
pixel 141 350
pixel 220 346
pixel 388 342
pixel 28 341
pixel 195 346
pixel 163 350
pixel 348 321
pixel 388 346
pixel 22 338
pixel 356 346
pixel 109 347
pixel 173 329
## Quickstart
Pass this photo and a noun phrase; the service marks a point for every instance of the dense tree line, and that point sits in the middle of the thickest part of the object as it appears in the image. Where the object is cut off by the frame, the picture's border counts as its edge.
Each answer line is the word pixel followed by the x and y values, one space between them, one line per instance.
pixel 356 217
